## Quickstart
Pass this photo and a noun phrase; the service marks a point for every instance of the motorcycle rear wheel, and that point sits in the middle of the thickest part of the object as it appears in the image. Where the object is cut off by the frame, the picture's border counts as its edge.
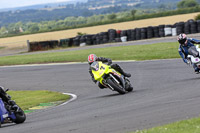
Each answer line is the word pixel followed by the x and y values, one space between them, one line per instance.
pixel 116 87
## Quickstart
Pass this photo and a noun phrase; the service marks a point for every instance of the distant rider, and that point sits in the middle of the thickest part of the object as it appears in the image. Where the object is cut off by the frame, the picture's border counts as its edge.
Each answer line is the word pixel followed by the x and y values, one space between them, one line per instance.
pixel 187 47
pixel 93 57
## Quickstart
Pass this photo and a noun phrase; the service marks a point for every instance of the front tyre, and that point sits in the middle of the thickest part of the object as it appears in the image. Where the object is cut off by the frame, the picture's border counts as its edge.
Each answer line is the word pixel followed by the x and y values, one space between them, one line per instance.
pixel 116 87
pixel 20 116
pixel 129 87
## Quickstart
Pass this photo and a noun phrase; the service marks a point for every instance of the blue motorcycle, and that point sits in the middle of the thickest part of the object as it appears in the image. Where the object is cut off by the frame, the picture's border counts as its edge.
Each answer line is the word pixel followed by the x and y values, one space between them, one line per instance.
pixel 9 111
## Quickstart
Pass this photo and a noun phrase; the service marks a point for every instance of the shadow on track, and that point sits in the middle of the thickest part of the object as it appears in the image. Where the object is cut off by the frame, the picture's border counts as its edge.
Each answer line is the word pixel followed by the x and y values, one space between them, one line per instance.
pixel 189 79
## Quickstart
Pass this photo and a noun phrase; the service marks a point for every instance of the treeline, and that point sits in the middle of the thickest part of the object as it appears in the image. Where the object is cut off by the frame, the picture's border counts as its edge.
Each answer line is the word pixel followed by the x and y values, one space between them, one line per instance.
pixel 21 28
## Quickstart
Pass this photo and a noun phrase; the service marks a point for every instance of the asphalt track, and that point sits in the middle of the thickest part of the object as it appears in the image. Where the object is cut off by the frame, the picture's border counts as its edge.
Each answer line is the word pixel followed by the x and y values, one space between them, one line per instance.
pixel 164 91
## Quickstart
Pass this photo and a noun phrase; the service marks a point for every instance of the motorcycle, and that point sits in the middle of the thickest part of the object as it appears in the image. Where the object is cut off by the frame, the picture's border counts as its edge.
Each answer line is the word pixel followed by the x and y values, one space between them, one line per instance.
pixel 110 78
pixel 10 113
pixel 194 60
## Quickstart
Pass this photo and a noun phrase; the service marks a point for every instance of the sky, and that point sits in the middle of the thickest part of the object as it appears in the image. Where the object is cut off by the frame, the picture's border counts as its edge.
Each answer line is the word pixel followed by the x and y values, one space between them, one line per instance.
pixel 20 3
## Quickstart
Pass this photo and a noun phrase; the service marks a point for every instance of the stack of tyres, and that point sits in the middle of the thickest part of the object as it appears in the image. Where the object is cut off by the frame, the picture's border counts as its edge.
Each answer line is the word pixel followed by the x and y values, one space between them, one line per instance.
pixel 104 36
pixel 150 32
pixel 156 31
pixel 180 27
pixel 138 34
pixel 198 26
pixel 129 35
pixel 94 39
pixel 123 33
pixel 99 38
pixel 88 39
pixel 133 34
pixel 76 41
pixel 193 26
pixel 64 42
pixel 143 33
pixel 112 35
pixel 187 28
pixel 82 39
pixel 161 30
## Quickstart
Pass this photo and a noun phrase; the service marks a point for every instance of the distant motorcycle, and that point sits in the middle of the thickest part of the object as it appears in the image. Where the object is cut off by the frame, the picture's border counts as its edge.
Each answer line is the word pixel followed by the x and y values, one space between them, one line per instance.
pixel 110 78
pixel 195 60
pixel 8 114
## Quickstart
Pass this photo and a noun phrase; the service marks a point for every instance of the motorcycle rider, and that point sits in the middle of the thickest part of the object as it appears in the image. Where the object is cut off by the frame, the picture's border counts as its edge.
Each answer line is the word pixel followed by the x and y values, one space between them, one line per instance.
pixel 187 47
pixel 7 99
pixel 93 57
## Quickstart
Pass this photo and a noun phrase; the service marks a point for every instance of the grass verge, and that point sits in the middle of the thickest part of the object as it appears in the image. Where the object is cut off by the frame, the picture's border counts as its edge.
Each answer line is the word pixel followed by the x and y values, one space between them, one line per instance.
pixel 184 126
pixel 28 99
pixel 133 52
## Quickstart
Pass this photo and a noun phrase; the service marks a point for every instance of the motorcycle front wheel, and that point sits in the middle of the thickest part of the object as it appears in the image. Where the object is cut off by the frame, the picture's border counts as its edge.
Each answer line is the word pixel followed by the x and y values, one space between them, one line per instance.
pixel 115 86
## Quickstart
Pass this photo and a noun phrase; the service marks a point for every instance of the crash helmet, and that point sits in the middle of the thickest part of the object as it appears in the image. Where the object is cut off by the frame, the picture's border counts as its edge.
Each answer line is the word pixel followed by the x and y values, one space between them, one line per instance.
pixel 92 58
pixel 182 39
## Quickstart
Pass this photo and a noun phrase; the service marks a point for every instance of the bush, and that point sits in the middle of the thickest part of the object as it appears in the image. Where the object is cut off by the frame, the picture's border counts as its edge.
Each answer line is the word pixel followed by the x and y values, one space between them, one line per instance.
pixel 197 17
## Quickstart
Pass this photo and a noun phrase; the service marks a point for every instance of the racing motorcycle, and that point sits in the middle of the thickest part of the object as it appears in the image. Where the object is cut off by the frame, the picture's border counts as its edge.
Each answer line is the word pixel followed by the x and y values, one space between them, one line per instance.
pixel 9 111
pixel 195 60
pixel 110 78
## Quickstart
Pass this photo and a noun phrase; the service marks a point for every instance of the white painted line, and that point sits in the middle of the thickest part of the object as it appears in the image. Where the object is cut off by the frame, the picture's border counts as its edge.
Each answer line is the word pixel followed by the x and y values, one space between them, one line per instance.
pixel 74 97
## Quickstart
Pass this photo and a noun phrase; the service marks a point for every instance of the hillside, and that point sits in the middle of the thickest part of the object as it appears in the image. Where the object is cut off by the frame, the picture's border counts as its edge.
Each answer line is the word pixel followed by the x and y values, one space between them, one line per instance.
pixel 20 41
pixel 59 11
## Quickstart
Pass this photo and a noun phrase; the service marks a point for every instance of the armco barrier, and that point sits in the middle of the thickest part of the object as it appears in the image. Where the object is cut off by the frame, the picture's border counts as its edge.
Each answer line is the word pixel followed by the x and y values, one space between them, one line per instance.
pixel 113 35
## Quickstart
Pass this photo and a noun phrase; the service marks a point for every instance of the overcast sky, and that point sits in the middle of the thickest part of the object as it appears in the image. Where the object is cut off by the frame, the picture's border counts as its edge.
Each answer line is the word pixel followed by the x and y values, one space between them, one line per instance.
pixel 19 3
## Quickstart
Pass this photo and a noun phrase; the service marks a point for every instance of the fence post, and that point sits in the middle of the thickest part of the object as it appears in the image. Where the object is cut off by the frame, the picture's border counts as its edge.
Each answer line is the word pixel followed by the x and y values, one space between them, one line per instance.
pixel 28 45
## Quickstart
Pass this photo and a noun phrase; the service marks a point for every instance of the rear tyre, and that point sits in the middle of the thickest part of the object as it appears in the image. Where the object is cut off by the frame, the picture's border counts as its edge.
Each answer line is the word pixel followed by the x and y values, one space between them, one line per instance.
pixel 20 116
pixel 116 87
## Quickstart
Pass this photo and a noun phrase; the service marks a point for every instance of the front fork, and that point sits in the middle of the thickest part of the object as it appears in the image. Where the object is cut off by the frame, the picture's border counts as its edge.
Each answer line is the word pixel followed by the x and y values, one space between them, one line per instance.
pixel 121 78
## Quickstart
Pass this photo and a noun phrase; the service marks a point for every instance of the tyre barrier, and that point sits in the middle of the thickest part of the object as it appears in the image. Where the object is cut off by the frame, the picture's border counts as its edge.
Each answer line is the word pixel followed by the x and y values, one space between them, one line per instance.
pixel 161 31
pixel 156 31
pixel 112 35
pixel 143 33
pixel 180 27
pixel 150 33
pixel 198 26
pixel 138 33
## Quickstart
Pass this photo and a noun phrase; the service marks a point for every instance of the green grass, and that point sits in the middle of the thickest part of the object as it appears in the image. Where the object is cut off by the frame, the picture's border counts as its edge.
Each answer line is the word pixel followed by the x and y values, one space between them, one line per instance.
pixel 28 99
pixel 184 126
pixel 136 52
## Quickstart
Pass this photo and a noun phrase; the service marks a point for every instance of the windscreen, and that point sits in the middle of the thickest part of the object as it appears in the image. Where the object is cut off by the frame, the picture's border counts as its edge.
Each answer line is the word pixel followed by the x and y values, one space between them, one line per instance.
pixel 95 66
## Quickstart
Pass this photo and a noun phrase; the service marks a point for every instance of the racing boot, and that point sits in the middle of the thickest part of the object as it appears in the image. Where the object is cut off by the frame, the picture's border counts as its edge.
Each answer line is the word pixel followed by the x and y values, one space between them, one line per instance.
pixel 126 74
pixel 120 70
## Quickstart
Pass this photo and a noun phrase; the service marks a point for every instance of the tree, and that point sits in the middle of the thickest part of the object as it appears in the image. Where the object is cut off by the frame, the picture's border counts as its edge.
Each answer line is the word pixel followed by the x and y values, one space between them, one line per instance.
pixel 3 30
pixel 33 28
pixel 187 3
pixel 112 16
pixel 133 12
